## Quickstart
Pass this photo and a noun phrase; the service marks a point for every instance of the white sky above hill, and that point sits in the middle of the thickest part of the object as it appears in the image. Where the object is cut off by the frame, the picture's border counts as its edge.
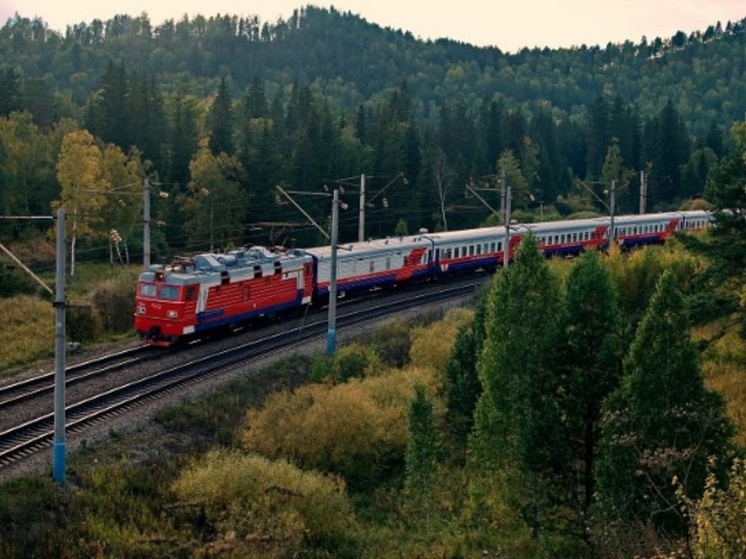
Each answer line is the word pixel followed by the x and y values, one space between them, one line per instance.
pixel 505 24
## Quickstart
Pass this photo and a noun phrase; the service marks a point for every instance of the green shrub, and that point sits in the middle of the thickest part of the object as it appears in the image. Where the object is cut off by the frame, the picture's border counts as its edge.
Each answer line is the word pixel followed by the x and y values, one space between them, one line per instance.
pixel 263 508
pixel 81 323
pixel 392 343
pixel 351 361
pixel 114 301
pixel 356 430
pixel 14 282
pixel 33 518
pixel 432 344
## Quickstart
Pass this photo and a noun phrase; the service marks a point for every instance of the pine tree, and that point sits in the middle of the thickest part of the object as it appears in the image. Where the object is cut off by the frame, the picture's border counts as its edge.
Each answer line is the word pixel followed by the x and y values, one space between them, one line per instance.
pixel 10 92
pixel 589 365
pixel 661 425
pixel 462 381
pixel 517 414
pixel 421 457
pixel 221 120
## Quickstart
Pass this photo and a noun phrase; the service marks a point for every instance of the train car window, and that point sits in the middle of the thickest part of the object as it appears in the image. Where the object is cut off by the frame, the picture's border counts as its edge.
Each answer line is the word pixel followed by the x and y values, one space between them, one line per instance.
pixel 499 246
pixel 147 290
pixel 479 249
pixel 169 293
pixel 437 254
pixel 471 250
pixel 493 247
pixel 574 237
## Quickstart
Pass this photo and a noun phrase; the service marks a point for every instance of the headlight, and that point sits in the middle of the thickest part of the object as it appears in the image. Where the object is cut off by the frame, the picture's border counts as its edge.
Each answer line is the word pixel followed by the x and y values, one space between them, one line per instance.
pixel 141 310
pixel 172 314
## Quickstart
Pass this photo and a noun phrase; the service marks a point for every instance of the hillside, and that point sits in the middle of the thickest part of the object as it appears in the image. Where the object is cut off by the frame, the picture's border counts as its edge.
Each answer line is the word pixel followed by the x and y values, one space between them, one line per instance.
pixel 352 61
pixel 234 107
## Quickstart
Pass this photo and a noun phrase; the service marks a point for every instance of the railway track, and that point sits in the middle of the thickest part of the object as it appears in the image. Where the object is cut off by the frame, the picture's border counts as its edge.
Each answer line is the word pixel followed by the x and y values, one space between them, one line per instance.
pixel 36 434
pixel 24 390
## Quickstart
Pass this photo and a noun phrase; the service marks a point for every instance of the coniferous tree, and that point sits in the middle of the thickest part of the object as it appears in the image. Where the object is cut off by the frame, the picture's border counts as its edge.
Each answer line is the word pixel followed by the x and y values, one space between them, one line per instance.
pixel 422 448
pixel 10 92
pixel 598 136
pixel 660 427
pixel 183 139
pixel 517 414
pixel 588 362
pixel 669 151
pixel 108 113
pixel 221 121
pixel 149 126
pixel 725 245
pixel 462 381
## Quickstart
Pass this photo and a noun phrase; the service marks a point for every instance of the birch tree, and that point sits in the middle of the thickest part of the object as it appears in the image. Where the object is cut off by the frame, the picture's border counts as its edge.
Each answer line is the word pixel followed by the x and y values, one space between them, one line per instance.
pixel 84 190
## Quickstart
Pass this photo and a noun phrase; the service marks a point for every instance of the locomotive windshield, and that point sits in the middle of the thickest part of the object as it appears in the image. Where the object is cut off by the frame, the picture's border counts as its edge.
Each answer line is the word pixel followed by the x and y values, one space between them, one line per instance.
pixel 165 292
pixel 169 293
pixel 147 290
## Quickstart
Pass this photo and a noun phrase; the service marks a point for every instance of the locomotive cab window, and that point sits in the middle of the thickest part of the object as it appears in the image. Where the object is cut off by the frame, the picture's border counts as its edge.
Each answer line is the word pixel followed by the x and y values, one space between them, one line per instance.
pixel 169 293
pixel 147 290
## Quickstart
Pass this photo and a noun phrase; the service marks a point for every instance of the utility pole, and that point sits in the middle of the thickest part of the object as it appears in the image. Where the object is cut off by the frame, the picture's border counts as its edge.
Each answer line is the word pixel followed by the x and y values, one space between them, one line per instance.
pixel 58 452
pixel 146 225
pixel 361 222
pixel 331 337
pixel 506 244
pixel 503 185
pixel 612 203
pixel 643 191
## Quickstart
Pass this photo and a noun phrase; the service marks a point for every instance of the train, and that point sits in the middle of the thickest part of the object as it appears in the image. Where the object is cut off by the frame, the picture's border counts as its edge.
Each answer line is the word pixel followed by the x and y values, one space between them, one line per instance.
pixel 198 294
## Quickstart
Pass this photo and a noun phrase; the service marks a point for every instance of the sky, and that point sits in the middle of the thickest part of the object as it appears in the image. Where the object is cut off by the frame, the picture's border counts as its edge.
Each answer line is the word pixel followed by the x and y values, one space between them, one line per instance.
pixel 526 23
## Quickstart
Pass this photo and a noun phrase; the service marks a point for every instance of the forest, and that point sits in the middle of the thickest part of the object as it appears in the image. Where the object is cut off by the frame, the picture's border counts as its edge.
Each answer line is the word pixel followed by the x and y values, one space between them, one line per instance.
pixel 218 112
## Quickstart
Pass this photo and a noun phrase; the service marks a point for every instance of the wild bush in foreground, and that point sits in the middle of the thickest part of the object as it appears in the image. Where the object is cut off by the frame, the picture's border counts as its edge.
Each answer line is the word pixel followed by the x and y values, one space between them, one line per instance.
pixel 353 360
pixel 263 508
pixel 720 516
pixel 357 430
pixel 432 344
pixel 114 302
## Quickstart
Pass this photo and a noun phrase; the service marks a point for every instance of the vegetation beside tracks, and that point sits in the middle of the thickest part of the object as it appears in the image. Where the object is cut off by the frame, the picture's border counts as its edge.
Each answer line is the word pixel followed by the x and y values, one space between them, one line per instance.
pixel 340 429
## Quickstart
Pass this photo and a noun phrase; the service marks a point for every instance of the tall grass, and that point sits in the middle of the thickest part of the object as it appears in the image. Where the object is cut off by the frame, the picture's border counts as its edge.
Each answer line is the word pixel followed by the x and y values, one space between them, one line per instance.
pixel 27 322
pixel 26 331
pixel 723 366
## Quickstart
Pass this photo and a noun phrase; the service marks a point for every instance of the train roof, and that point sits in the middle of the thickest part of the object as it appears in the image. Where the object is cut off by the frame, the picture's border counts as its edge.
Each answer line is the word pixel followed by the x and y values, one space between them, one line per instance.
pixel 372 245
pixel 208 264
